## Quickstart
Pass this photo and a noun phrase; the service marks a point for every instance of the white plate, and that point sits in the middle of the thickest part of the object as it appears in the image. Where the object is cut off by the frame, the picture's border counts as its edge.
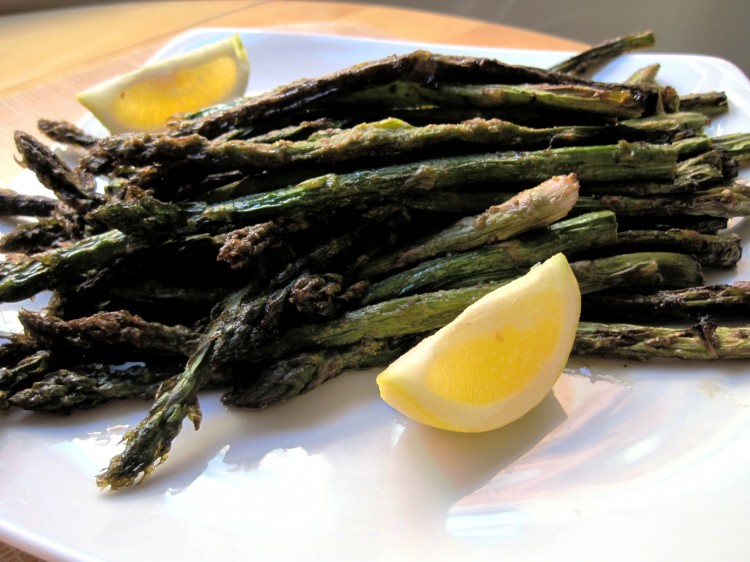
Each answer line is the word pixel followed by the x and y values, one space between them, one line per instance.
pixel 622 462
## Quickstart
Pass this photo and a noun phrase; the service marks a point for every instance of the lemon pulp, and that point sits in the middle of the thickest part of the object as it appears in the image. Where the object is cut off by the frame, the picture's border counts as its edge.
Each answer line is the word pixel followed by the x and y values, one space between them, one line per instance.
pixel 136 102
pixel 498 363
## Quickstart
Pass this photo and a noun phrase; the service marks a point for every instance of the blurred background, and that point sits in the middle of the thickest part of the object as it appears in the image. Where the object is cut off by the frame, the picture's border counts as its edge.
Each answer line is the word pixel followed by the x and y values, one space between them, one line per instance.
pixel 717 27
pixel 711 27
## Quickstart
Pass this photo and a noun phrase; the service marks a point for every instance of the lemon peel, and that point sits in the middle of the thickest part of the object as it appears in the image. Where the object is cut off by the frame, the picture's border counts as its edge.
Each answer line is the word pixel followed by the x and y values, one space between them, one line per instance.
pixel 143 100
pixel 496 361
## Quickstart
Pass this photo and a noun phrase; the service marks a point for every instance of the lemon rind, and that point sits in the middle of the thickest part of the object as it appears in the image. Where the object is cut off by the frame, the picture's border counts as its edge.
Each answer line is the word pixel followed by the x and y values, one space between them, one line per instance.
pixel 97 99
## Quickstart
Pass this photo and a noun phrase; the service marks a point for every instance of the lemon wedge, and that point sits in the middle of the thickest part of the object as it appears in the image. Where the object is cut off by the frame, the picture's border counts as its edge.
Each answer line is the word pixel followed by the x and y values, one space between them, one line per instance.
pixel 143 100
pixel 496 361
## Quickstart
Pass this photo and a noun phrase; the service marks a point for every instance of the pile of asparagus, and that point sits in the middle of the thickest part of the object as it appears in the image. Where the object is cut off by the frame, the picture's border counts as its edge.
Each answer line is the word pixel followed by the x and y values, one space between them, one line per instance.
pixel 265 246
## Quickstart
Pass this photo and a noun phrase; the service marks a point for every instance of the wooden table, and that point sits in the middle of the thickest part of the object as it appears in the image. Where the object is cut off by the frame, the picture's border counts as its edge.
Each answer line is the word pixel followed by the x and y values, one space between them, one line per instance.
pixel 53 54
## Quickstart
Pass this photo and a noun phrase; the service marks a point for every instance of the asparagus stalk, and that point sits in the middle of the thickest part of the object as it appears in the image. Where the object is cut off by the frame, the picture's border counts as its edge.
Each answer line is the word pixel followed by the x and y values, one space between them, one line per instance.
pixel 717 301
pixel 644 75
pixel 656 128
pixel 708 103
pixel 672 126
pixel 735 145
pixel 144 215
pixel 298 131
pixel 502 259
pixel 15 204
pixel 701 224
pixel 696 178
pixel 149 442
pixel 25 372
pixel 721 201
pixel 636 270
pixel 52 172
pixel 472 202
pixel 603 52
pixel 287 378
pixel 61 266
pixel 589 100
pixel 718 250
pixel 419 66
pixel 549 202
pixel 89 386
pixel 33 237
pixel 66 133
pixel 367 141
pixel 702 342
pixel 113 336
pixel 594 163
